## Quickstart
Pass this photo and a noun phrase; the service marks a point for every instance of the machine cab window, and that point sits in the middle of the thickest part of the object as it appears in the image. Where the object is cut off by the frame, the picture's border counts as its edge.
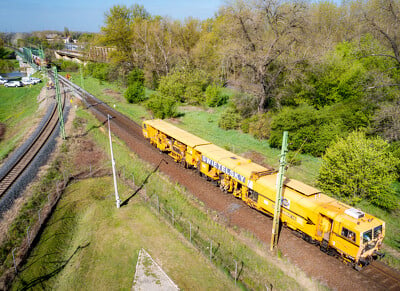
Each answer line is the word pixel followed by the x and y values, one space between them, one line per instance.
pixel 367 236
pixel 348 234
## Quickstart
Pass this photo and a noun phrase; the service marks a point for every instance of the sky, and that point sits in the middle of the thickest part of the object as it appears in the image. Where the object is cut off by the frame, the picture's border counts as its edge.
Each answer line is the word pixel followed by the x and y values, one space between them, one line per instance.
pixel 88 15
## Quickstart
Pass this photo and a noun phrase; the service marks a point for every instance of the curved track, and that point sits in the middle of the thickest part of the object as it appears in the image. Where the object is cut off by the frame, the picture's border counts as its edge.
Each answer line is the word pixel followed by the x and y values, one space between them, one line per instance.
pixel 307 257
pixel 26 157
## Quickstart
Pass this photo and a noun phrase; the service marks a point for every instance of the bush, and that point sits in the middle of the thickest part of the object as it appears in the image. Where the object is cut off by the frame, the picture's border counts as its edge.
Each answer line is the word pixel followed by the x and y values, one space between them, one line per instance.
pixel 135 76
pixel 230 119
pixel 135 93
pixel 185 85
pixel 162 106
pixel 194 95
pixel 310 129
pixel 99 71
pixel 260 127
pixel 214 96
pixel 67 66
pixel 246 105
pixel 172 87
pixel 359 168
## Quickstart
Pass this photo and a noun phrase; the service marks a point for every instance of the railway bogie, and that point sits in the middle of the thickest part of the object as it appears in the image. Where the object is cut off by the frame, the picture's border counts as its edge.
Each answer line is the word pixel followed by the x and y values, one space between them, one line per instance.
pixel 336 227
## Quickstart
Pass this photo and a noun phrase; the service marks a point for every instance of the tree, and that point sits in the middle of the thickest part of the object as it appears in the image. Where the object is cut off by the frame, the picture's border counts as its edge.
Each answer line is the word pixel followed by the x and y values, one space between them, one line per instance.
pixel 135 93
pixel 260 41
pixel 359 168
pixel 387 121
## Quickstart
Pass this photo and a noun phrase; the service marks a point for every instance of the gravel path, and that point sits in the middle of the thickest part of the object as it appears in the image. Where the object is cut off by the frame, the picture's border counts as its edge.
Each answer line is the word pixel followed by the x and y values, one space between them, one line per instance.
pixel 150 277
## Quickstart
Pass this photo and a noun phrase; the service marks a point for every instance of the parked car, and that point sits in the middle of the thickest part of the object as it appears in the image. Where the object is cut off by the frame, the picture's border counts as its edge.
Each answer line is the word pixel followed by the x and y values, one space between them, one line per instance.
pixel 27 82
pixel 30 81
pixel 36 80
pixel 13 84
pixel 3 81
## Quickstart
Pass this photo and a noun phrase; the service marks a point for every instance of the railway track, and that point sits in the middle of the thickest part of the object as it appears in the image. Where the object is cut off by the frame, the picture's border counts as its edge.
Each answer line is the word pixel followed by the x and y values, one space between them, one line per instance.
pixel 27 156
pixel 387 277
pixel 376 276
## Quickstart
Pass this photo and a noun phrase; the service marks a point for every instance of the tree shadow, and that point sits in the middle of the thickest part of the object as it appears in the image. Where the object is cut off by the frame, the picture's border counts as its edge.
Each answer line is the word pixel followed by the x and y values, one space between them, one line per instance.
pixel 41 279
pixel 126 201
pixel 90 129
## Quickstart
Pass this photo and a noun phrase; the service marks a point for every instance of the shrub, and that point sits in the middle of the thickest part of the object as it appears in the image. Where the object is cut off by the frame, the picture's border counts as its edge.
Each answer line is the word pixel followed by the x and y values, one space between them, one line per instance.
pixel 99 71
pixel 245 104
pixel 310 129
pixel 230 119
pixel 135 93
pixel 67 66
pixel 358 168
pixel 194 95
pixel 214 96
pixel 162 106
pixel 260 127
pixel 135 76
pixel 172 87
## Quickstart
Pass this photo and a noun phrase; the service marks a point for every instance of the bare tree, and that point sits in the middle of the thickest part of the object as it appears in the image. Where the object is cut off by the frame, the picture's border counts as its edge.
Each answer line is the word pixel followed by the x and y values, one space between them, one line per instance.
pixel 261 42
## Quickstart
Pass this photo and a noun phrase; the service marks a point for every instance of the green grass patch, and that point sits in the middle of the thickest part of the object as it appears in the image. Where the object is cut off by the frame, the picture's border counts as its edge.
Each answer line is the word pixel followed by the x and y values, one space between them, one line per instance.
pixel 18 106
pixel 110 240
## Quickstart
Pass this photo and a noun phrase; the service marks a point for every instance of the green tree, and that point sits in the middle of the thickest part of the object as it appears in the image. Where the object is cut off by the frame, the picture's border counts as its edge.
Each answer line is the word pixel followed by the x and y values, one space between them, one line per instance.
pixel 135 76
pixel 359 168
pixel 214 96
pixel 162 106
pixel 135 93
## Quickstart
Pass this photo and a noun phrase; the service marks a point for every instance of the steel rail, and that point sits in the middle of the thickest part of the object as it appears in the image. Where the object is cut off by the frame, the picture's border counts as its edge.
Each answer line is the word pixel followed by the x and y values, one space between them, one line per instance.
pixel 26 157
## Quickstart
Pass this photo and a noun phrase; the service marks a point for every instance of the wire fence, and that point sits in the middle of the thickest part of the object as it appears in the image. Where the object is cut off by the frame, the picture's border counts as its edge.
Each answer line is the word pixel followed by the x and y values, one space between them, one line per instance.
pixel 33 221
pixel 243 275
pixel 216 252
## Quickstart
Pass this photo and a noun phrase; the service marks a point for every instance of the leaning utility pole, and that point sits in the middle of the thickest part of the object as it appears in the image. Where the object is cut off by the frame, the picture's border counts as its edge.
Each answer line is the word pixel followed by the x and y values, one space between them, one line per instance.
pixel 59 105
pixel 279 186
pixel 113 165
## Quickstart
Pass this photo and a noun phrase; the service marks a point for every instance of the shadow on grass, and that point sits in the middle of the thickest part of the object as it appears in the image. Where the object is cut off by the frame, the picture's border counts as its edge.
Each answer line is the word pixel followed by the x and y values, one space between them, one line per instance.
pixel 90 129
pixel 39 280
pixel 126 201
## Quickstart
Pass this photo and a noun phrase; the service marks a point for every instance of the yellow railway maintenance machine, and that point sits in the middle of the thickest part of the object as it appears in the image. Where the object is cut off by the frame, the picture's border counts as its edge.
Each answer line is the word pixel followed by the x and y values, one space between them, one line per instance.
pixel 337 228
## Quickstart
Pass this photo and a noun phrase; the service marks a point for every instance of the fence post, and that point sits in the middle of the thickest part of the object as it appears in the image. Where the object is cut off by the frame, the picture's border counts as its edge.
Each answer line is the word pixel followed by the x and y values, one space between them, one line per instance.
pixel 39 215
pixel 15 265
pixel 133 180
pixel 210 249
pixel 27 234
pixel 235 271
pixel 158 204
pixel 190 231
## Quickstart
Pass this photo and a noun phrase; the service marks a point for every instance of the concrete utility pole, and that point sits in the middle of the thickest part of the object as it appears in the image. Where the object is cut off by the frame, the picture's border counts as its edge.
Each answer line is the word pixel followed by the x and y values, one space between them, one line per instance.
pixel 118 201
pixel 279 186
pixel 59 105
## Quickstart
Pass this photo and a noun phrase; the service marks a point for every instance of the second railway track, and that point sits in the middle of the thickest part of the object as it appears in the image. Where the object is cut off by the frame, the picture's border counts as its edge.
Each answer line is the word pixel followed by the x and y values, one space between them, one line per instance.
pixel 27 156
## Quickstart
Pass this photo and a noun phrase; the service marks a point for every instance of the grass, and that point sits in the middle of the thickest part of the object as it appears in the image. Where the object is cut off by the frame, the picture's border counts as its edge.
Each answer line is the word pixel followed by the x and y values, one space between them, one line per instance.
pixel 110 240
pixel 18 107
